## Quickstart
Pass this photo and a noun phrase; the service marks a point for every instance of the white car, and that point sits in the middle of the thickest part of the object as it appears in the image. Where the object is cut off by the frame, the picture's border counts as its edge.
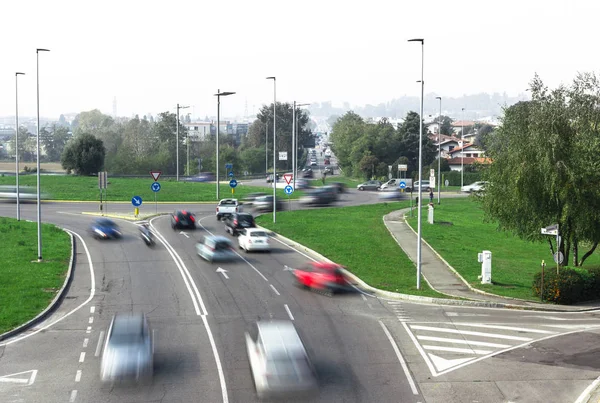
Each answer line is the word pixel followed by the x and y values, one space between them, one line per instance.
pixel 474 187
pixel 251 239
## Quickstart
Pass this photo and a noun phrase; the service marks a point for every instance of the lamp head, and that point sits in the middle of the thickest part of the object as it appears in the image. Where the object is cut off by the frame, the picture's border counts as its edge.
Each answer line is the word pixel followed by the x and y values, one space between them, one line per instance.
pixel 417 40
pixel 224 93
pixel 270 78
pixel 19 74
pixel 38 50
pixel 440 98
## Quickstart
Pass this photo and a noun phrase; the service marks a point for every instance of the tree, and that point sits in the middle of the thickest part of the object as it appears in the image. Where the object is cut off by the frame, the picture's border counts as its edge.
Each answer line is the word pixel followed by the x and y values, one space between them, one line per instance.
pixel 54 141
pixel 346 131
pixel 84 155
pixel 446 126
pixel 25 151
pixel 546 166
pixel 332 120
pixel 409 143
pixel 253 160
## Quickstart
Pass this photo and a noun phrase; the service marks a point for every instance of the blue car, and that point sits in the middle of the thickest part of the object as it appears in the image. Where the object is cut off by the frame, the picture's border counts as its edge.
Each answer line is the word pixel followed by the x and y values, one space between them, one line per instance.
pixel 103 228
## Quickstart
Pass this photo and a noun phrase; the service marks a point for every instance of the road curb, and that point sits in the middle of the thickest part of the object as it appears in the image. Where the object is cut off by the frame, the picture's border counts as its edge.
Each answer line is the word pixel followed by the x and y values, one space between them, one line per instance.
pixel 123 216
pixel 129 202
pixel 55 302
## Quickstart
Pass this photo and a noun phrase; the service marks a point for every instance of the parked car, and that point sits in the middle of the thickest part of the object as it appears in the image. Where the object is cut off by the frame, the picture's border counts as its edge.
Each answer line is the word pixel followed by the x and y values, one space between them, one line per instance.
pixel 474 187
pixel 251 239
pixel 249 199
pixel 215 248
pixel 426 185
pixel 265 203
pixel 227 207
pixel 369 185
pixel 279 362
pixel 321 276
pixel 103 228
pixel 182 219
pixel 128 350
pixel 238 221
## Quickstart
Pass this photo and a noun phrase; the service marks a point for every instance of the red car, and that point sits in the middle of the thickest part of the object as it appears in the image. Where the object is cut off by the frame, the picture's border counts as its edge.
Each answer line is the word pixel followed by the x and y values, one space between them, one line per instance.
pixel 321 276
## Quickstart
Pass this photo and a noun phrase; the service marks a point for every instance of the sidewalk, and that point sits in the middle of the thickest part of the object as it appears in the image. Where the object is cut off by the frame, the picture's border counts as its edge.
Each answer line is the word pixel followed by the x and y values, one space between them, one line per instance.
pixel 444 279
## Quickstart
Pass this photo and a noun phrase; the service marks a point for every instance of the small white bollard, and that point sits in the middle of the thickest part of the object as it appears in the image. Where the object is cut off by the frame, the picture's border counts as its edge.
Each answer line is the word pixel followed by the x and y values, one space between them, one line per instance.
pixel 485 258
pixel 430 214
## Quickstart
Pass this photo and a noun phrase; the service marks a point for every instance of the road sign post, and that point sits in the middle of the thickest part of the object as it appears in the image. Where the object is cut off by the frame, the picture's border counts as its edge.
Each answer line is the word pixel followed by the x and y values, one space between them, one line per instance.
pixel 558 256
pixel 155 188
pixel 289 189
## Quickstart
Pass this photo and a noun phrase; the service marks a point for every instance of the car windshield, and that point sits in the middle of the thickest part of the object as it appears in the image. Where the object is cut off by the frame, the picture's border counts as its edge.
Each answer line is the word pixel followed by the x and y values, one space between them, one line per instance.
pixel 105 223
pixel 228 202
pixel 222 245
pixel 127 330
pixel 245 218
pixel 258 234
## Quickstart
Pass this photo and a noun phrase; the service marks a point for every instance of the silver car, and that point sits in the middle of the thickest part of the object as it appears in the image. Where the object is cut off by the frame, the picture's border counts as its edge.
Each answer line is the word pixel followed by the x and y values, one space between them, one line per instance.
pixel 128 351
pixel 216 248
pixel 278 360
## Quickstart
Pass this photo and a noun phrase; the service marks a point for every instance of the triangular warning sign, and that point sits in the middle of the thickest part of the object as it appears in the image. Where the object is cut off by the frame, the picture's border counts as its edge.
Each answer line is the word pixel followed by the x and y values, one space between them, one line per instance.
pixel 25 377
pixel 155 175
pixel 288 178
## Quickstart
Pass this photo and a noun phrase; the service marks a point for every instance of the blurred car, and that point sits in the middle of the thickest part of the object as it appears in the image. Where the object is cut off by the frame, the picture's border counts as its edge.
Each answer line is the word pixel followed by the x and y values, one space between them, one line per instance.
pixel 270 178
pixel 265 204
pixel 26 193
pixel 328 171
pixel 327 161
pixel 393 195
pixel 474 187
pixel 426 185
pixel 215 248
pixel 369 185
pixel 251 239
pixel 238 221
pixel 321 276
pixel 128 350
pixel 278 360
pixel 340 187
pixel 249 199
pixel 321 196
pixel 103 228
pixel 313 163
pixel 182 219
pixel 202 177
pixel 307 173
pixel 302 184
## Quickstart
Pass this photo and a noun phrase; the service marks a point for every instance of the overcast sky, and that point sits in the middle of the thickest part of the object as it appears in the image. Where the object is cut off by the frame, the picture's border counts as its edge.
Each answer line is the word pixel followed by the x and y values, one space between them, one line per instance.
pixel 151 55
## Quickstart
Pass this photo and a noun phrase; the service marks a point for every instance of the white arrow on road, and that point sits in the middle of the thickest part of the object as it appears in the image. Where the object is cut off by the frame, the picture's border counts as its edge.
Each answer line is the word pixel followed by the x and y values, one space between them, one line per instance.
pixel 223 272
pixel 186 235
pixel 287 268
pixel 12 378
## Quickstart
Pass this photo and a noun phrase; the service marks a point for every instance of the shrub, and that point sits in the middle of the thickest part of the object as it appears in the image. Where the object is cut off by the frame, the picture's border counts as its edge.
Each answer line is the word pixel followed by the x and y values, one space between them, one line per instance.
pixel 569 286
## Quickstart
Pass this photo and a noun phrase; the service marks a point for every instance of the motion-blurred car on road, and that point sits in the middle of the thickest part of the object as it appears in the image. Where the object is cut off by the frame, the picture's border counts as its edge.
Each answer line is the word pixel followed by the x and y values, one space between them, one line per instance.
pixel 26 193
pixel 216 248
pixel 239 221
pixel 322 196
pixel 321 276
pixel 369 185
pixel 340 187
pixel 279 362
pixel 328 171
pixel 253 239
pixel 474 187
pixel 103 228
pixel 249 199
pixel 202 177
pixel 302 184
pixel 128 350
pixel 307 173
pixel 183 219
pixel 270 178
pixel 265 204
pixel 393 195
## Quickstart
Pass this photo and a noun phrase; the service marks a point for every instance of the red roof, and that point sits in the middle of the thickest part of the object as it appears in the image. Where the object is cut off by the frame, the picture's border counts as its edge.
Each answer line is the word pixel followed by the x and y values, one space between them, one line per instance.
pixel 469 160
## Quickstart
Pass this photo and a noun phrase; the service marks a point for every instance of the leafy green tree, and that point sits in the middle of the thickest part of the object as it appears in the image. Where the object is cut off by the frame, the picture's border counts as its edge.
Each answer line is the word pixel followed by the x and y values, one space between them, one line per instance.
pixel 409 143
pixel 446 126
pixel 253 160
pixel 367 166
pixel 25 150
pixel 165 131
pixel 346 131
pixel 54 141
pixel 84 155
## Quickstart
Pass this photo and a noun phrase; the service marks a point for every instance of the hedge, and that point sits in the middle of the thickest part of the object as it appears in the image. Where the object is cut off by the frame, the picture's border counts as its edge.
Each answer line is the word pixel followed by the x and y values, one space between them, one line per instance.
pixel 569 286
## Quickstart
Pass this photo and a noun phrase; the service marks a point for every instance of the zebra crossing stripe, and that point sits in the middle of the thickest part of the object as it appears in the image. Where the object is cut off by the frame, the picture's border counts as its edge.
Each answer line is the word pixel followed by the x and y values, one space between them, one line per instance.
pixel 470 333
pixel 462 341
pixel 501 327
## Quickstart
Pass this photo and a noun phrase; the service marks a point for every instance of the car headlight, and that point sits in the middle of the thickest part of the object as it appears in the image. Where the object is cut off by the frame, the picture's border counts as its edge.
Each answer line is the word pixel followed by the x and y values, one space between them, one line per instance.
pixel 101 233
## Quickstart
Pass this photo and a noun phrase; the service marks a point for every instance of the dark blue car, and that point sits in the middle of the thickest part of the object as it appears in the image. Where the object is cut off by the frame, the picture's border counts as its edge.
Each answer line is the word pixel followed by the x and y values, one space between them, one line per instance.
pixel 103 228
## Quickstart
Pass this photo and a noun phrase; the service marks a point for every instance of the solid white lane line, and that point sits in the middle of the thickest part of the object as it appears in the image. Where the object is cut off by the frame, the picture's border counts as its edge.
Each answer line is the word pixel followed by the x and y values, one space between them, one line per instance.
pixel 455 331
pixel 85 342
pixel 99 345
pixel 78 376
pixel 501 327
pixel 91 320
pixel 92 309
pixel 73 396
pixel 92 293
pixel 458 350
pixel 461 341
pixel 89 329
pixel 287 308
pixel 585 394
pixel 217 359
pixel 400 358
pixel 82 356
pixel 274 289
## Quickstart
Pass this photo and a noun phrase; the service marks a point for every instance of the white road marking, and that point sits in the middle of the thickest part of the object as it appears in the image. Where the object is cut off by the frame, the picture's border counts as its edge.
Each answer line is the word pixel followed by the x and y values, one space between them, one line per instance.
pixel 186 235
pixel 73 396
pixel 400 358
pixel 502 327
pixel 363 297
pixel 287 308
pixel 82 356
pixel 88 330
pixel 274 289
pixel 78 376
pixel 91 320
pixel 10 378
pixel 462 341
pixel 584 395
pixel 466 332
pixel 92 293
pixel 223 272
pixel 99 345
pixel 457 350
pixel 92 309
pixel 85 342
pixel 466 314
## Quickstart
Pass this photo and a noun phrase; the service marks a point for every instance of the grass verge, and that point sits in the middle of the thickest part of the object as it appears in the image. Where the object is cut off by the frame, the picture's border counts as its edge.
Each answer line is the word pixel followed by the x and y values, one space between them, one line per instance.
pixel 27 287
pixel 356 238
pixel 459 233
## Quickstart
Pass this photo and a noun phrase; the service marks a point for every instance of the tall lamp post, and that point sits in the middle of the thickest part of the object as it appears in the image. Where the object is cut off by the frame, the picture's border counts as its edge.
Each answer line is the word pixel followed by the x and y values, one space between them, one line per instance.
pixel 439 150
pixel 274 146
pixel 39 202
pixel 17 140
pixel 219 94
pixel 419 203
pixel 267 149
pixel 295 141
pixel 178 108
pixel 462 150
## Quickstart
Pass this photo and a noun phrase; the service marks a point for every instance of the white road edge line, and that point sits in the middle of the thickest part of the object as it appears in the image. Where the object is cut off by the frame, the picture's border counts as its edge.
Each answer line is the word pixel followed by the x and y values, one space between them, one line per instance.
pixel 274 289
pixel 73 396
pixel 82 356
pixel 85 342
pixel 584 396
pixel 92 309
pixel 91 320
pixel 189 282
pixel 287 308
pixel 99 345
pixel 400 358
pixel 92 293
pixel 78 376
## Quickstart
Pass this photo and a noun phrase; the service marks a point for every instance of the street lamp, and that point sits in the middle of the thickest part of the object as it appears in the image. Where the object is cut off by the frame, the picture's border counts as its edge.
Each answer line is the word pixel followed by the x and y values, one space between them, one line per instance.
pixel 178 108
pixel 219 94
pixel 462 150
pixel 274 146
pixel 39 203
pixel 295 141
pixel 419 203
pixel 267 149
pixel 17 140
pixel 439 149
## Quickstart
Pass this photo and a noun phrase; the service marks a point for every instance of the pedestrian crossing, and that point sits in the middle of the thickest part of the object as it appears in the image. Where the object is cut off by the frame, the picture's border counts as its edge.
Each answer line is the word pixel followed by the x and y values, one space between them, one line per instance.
pixel 399 312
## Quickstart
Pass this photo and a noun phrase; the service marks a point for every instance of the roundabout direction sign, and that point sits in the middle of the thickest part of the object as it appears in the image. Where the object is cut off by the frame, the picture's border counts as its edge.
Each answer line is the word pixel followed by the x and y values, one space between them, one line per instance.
pixel 155 187
pixel 402 185
pixel 288 190
pixel 232 183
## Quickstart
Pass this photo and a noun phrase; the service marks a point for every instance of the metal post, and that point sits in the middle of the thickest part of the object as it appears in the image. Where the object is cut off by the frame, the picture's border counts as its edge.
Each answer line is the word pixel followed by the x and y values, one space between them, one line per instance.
pixel 439 151
pixel 266 148
pixel 188 154
pixel 177 143
pixel 218 124
pixel 39 202
pixel 17 142
pixel 293 144
pixel 274 147
pixel 462 150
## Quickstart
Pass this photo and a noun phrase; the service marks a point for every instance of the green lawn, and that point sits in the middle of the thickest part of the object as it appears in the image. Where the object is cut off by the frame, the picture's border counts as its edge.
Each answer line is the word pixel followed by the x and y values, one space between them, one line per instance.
pixel 459 233
pixel 27 287
pixel 356 238
pixel 85 188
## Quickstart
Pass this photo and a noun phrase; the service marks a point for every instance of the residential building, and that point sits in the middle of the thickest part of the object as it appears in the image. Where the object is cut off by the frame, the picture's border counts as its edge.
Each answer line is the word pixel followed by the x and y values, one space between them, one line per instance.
pixel 466 155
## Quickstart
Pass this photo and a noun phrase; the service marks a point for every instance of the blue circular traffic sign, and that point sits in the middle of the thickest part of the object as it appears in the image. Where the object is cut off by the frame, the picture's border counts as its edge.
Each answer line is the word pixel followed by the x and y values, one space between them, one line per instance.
pixel 402 185
pixel 233 183
pixel 136 201
pixel 288 190
pixel 155 187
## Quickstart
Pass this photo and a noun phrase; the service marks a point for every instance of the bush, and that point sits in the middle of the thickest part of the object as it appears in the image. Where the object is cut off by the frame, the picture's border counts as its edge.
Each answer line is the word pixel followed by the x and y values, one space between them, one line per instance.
pixel 570 286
